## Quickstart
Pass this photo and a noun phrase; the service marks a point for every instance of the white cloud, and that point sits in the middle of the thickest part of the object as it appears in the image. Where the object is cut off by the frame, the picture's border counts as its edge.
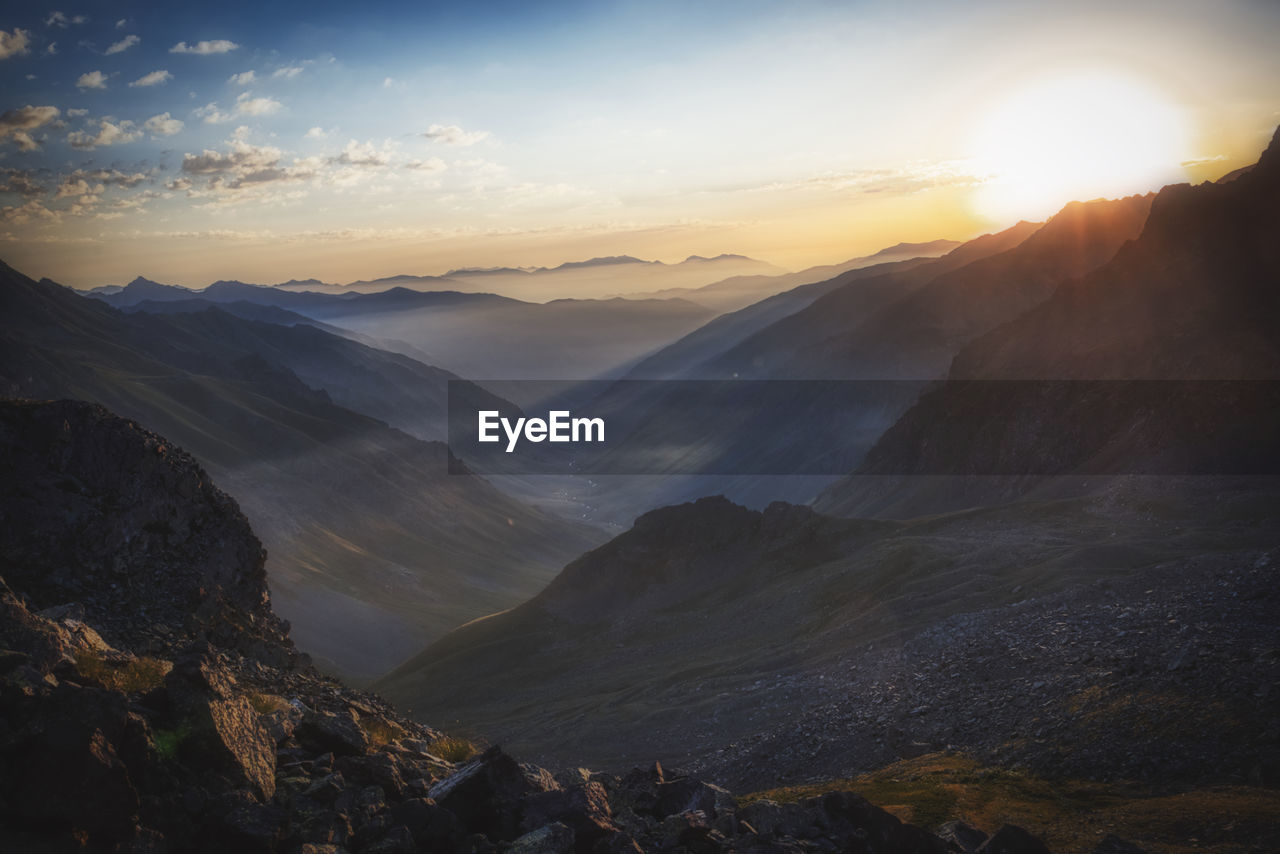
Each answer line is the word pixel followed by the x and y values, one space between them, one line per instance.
pixel 123 45
pixel 178 185
pixel 287 73
pixel 243 165
pixel 163 125
pixel 246 105
pixel 76 185
pixel 76 113
pixel 388 82
pixel 113 177
pixel 212 114
pixel 205 48
pixel 316 133
pixel 244 78
pixel 454 135
pixel 110 132
pixel 358 154
pixel 52 49
pixel 250 106
pixel 57 19
pixel 19 123
pixel 14 43
pixel 29 212
pixel 120 24
pixel 155 78
pixel 92 80
pixel 435 164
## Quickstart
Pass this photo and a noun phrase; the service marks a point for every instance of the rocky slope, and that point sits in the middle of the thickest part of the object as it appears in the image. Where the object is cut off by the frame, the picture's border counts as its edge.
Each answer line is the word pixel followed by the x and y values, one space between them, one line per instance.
pixel 1095 638
pixel 208 732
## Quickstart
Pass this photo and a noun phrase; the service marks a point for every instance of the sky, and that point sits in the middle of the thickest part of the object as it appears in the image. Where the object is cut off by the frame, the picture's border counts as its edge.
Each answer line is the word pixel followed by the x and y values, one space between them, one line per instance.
pixel 344 141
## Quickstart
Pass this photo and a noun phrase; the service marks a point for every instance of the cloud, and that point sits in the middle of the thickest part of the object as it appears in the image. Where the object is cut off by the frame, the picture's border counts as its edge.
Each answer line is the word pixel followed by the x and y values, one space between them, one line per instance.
pixel 316 133
pixel 288 72
pixel 20 181
pixel 454 135
pixel 249 106
pixel 52 49
pixel 904 180
pixel 19 123
pixel 123 45
pixel 76 185
pixel 435 164
pixel 110 132
pixel 206 48
pixel 114 177
pixel 212 114
pixel 14 43
pixel 179 184
pixel 92 80
pixel 76 113
pixel 57 19
pixel 29 212
pixel 120 24
pixel 163 125
pixel 155 78
pixel 242 165
pixel 244 78
pixel 366 155
pixel 246 105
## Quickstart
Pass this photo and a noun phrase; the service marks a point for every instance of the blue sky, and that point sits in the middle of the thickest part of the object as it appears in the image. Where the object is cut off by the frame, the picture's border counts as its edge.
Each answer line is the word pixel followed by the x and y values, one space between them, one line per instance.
pixel 344 141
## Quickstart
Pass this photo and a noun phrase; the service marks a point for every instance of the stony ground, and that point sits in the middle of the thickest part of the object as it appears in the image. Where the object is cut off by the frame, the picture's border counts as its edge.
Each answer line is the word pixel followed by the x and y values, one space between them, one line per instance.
pixel 1168 676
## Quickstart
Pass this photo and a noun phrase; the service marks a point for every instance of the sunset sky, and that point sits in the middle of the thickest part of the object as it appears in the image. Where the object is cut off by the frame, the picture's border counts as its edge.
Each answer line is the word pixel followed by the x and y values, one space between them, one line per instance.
pixel 343 141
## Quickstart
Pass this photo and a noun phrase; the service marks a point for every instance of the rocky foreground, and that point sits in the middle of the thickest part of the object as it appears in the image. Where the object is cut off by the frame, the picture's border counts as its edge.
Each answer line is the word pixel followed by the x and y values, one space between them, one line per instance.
pixel 151 702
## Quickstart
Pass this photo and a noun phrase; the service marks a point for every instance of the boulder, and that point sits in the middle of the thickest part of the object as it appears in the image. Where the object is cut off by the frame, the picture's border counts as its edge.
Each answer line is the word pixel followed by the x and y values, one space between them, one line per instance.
pixel 221 728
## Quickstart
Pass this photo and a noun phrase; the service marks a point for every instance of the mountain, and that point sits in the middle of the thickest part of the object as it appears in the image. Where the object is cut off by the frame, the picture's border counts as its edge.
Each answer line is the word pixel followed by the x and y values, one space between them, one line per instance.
pixel 561 339
pixel 740 291
pixel 1195 297
pixel 153 702
pixel 360 519
pixel 778 647
pixel 861 332
pixel 598 278
pixel 694 356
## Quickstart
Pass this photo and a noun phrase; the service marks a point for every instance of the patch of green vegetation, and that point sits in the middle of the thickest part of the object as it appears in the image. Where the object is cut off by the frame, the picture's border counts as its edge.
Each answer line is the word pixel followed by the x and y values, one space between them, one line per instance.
pixel 132 677
pixel 452 748
pixel 167 742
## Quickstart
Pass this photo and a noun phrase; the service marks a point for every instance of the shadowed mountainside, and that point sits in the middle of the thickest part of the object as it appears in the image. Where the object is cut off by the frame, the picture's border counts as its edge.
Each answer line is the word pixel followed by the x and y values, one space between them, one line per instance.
pixel 208 733
pixel 362 521
pixel 1195 297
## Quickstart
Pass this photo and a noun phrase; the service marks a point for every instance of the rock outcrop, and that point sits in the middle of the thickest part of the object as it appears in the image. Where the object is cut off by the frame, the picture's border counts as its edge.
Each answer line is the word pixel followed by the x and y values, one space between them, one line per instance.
pixel 213 734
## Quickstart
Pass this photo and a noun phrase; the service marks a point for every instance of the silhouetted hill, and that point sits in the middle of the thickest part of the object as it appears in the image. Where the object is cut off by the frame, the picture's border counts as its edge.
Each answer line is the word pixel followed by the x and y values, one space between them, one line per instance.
pixel 1195 297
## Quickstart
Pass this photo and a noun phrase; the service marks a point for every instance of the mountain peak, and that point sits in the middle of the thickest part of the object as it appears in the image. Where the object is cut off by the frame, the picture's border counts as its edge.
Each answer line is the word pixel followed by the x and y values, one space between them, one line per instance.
pixel 603 261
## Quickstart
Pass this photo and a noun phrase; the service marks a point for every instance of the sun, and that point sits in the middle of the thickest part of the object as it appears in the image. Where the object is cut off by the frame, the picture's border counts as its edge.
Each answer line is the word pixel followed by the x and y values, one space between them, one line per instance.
pixel 1076 135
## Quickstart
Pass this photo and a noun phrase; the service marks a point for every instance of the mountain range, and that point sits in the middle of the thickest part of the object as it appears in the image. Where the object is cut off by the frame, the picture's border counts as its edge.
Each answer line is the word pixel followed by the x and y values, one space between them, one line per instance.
pixel 1094 627
pixel 360 519
pixel 1048 575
